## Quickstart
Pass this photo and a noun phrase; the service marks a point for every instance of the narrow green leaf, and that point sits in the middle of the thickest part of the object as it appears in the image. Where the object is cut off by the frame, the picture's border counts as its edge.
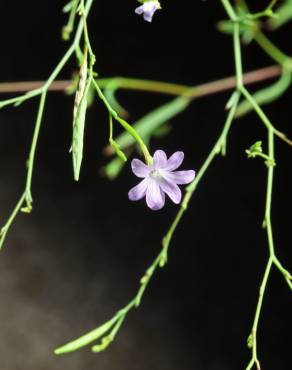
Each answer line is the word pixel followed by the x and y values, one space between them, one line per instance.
pixel 69 6
pixel 284 15
pixel 266 95
pixel 118 150
pixel 162 131
pixel 107 340
pixel 110 94
pixel 87 338
pixel 153 120
pixel 113 168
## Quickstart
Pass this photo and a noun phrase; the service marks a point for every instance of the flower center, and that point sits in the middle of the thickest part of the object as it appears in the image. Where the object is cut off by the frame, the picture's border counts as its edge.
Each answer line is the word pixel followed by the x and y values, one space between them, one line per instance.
pixel 155 174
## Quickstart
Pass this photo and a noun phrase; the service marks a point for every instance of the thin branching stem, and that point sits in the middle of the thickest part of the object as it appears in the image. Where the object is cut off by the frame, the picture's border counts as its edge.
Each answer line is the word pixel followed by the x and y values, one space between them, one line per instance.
pixel 42 92
pixel 30 162
pixel 272 260
pixel 217 149
pixel 161 259
pixel 9 222
pixel 124 124
pixel 108 331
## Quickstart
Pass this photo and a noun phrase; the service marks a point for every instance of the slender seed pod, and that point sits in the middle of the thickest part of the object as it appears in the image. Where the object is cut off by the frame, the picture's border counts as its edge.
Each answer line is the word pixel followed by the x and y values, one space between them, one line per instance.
pixel 81 85
pixel 79 115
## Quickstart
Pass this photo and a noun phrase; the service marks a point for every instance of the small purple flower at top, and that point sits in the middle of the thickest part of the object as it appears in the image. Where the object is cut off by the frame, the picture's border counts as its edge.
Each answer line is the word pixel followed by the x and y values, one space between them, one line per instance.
pixel 148 9
pixel 159 179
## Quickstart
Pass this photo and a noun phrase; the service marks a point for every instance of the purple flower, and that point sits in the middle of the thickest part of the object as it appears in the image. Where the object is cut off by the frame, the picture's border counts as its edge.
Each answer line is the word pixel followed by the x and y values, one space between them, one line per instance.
pixel 148 9
pixel 159 179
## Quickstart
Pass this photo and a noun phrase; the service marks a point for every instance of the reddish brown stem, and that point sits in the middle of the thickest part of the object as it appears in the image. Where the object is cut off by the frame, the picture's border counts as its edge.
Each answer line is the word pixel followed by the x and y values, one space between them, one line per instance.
pixel 200 90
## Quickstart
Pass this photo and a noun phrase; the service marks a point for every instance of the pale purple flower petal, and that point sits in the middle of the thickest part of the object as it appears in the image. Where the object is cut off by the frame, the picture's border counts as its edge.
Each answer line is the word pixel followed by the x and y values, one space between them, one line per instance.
pixel 174 161
pixel 155 198
pixel 148 9
pixel 139 10
pixel 171 189
pixel 181 177
pixel 159 159
pixel 139 191
pixel 139 168
pixel 148 17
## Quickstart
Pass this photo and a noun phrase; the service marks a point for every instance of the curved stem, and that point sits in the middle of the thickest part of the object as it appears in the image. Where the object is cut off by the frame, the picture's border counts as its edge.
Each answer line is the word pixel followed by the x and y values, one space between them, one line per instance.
pixel 264 118
pixel 217 148
pixel 271 49
pixel 124 124
pixel 161 259
pixel 252 341
pixel 107 331
pixel 42 91
pixel 9 222
pixel 268 46
pixel 30 163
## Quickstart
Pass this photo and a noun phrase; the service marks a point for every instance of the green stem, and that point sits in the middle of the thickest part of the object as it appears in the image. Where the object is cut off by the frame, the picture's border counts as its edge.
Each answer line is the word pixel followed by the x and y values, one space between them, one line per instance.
pixel 229 10
pixel 56 71
pixel 237 55
pixel 111 111
pixel 20 99
pixel 192 187
pixel 267 94
pixel 31 158
pixel 86 36
pixel 268 225
pixel 68 28
pixel 272 257
pixel 117 320
pixel 271 49
pixel 9 222
pixel 124 124
pixel 44 91
pixel 268 12
pixel 263 117
pixel 161 258
pixel 27 196
pixel 70 51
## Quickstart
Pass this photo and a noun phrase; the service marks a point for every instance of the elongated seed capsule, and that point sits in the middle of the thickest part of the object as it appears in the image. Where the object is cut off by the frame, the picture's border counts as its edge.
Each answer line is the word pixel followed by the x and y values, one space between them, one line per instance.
pixel 79 116
pixel 78 136
pixel 81 85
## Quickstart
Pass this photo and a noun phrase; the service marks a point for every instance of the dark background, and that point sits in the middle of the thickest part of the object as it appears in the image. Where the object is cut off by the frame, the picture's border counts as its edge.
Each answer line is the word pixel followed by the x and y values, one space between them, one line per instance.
pixel 78 257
